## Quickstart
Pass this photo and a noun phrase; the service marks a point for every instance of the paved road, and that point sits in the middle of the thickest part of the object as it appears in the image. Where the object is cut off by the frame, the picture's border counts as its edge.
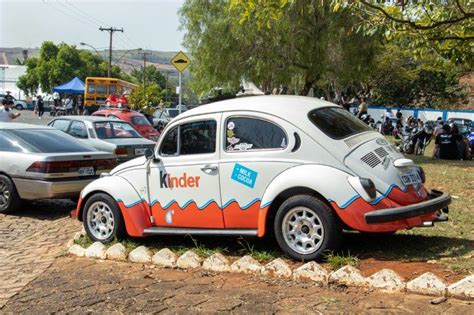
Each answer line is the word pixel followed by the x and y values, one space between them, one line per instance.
pixel 28 117
pixel 30 240
pixel 81 285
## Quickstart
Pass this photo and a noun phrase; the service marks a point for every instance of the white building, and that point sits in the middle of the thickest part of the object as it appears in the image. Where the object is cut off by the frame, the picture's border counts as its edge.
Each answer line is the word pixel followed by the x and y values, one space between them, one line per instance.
pixel 9 75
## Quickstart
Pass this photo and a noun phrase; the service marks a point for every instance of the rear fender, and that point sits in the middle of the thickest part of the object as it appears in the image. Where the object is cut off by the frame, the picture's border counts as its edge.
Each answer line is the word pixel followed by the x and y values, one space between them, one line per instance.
pixel 134 209
pixel 329 182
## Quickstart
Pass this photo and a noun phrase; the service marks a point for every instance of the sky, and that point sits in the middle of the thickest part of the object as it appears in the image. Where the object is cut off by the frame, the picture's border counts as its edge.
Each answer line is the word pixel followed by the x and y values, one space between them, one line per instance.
pixel 147 24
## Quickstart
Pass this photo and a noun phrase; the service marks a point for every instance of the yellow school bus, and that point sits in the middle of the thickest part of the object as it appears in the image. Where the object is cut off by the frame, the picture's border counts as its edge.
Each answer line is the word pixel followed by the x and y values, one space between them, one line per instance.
pixel 97 90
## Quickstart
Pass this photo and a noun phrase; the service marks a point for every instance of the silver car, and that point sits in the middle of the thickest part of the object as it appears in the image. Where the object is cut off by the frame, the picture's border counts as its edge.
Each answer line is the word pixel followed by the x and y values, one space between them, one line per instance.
pixel 105 134
pixel 41 162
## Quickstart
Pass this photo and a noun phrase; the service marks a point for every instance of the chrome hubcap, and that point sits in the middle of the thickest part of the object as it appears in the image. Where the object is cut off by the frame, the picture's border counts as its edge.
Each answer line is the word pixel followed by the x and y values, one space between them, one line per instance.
pixel 302 230
pixel 4 195
pixel 100 220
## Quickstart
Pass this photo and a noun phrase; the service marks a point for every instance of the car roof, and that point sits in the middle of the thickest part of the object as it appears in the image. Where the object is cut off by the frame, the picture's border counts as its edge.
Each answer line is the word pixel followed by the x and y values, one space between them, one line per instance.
pixel 116 111
pixel 89 118
pixel 15 126
pixel 280 105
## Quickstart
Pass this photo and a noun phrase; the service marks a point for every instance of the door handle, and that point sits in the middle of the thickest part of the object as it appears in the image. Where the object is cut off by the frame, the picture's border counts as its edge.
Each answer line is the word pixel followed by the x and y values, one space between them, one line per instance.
pixel 209 168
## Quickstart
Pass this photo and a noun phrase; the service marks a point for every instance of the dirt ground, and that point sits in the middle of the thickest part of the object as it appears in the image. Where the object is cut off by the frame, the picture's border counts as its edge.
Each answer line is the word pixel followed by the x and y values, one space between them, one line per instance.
pixel 80 285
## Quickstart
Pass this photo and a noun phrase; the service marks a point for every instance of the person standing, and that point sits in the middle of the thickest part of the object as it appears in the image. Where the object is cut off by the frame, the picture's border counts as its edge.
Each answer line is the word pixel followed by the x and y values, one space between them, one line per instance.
pixel 69 105
pixel 6 114
pixel 40 106
pixel 363 107
pixel 80 105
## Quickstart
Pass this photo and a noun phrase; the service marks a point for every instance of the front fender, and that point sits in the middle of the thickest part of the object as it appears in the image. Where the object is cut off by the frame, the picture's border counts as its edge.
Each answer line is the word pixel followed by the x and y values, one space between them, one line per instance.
pixel 134 209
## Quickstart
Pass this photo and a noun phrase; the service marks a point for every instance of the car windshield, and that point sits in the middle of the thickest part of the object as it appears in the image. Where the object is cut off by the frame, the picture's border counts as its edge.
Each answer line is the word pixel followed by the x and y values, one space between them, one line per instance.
pixel 337 122
pixel 139 120
pixel 115 129
pixel 48 141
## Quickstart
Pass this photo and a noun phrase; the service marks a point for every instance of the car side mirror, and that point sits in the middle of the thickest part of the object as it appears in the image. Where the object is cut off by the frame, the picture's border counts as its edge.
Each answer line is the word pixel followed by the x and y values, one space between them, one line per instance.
pixel 150 155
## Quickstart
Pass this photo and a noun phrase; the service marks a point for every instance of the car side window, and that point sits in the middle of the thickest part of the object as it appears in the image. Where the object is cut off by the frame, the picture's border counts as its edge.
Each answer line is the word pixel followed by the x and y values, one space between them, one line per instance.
pixel 198 137
pixel 169 146
pixel 195 138
pixel 61 124
pixel 250 134
pixel 78 130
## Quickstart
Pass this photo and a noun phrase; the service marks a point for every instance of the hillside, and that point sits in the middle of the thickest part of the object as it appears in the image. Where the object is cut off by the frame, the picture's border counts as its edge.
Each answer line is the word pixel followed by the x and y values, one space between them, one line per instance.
pixel 126 60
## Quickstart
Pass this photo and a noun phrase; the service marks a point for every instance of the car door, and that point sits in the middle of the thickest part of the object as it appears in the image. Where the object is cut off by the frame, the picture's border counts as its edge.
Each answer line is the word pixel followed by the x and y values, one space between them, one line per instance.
pixel 257 147
pixel 184 184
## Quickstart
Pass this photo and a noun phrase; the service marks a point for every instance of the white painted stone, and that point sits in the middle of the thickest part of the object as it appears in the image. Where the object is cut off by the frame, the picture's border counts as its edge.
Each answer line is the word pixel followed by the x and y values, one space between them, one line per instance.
pixel 76 250
pixel 386 280
pixel 165 258
pixel 77 236
pixel 216 262
pixel 117 252
pixel 141 254
pixel 69 243
pixel 96 250
pixel 312 271
pixel 277 267
pixel 348 275
pixel 189 260
pixel 463 288
pixel 246 264
pixel 427 283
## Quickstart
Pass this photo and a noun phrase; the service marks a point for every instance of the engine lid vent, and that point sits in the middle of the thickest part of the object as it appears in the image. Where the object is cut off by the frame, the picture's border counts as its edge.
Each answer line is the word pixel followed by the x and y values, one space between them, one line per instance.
pixel 371 159
pixel 381 152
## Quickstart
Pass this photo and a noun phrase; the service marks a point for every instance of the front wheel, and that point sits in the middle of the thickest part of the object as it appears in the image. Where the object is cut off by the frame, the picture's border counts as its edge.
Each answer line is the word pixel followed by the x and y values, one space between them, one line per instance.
pixel 306 228
pixel 102 219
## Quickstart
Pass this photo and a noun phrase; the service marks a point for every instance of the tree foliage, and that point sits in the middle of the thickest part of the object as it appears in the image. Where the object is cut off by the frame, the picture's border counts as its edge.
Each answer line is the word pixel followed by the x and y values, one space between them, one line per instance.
pixel 300 46
pixel 146 97
pixel 152 75
pixel 57 64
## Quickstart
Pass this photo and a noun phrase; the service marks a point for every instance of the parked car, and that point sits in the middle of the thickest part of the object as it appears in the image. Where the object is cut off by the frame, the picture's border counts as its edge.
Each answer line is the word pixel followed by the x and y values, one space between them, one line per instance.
pixel 250 166
pixel 137 120
pixel 41 162
pixel 105 134
pixel 19 105
pixel 464 125
pixel 162 117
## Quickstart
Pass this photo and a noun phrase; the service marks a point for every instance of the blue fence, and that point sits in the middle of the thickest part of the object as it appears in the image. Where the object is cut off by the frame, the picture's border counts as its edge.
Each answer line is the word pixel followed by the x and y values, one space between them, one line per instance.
pixel 423 113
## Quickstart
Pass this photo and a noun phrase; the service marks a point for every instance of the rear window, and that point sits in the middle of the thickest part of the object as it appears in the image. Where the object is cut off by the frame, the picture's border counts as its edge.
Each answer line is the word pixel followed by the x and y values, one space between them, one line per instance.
pixel 337 122
pixel 115 129
pixel 139 120
pixel 49 141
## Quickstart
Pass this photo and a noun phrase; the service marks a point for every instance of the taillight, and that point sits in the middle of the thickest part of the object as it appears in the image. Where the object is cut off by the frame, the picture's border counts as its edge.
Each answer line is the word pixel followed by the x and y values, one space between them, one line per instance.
pixel 369 187
pixel 121 151
pixel 421 172
pixel 46 167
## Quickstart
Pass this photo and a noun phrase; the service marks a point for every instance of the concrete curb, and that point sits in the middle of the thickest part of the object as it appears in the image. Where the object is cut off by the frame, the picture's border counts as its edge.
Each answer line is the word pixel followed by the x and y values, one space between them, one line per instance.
pixel 385 280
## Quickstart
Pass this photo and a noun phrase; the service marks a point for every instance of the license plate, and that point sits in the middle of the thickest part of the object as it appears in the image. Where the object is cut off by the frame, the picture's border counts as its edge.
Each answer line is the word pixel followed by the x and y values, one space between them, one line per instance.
pixel 410 178
pixel 86 171
pixel 140 151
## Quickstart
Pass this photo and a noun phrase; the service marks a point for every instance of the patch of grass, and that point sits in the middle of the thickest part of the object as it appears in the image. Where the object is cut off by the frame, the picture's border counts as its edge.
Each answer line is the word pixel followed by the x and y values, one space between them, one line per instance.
pixel 257 254
pixel 84 241
pixel 336 261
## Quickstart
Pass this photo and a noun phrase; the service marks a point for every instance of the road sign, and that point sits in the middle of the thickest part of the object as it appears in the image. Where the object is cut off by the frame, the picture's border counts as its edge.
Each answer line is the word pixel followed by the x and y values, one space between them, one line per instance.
pixel 180 61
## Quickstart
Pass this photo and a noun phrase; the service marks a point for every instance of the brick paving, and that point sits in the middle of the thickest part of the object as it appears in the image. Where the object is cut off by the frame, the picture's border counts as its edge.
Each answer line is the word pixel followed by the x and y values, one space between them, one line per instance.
pixel 30 239
pixel 81 285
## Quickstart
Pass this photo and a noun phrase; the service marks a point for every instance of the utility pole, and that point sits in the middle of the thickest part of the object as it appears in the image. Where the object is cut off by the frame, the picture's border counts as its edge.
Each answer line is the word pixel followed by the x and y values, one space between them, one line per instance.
pixel 111 31
pixel 144 70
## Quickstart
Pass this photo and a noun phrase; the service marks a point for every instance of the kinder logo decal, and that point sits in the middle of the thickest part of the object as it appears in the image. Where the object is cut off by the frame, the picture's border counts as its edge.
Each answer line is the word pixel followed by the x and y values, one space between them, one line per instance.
pixel 244 175
pixel 184 181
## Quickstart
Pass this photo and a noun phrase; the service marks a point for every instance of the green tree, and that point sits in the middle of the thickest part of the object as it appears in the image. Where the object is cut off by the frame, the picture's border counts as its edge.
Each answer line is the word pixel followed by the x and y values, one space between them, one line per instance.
pixel 146 98
pixel 152 75
pixel 57 64
pixel 305 44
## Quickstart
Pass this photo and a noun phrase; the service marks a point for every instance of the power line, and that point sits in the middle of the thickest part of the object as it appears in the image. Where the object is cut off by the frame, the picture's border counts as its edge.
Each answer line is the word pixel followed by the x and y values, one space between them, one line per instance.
pixel 66 14
pixel 68 8
pixel 90 16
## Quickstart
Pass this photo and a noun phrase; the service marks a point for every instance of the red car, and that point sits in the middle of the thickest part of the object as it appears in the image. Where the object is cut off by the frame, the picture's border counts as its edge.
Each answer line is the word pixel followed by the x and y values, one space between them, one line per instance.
pixel 137 120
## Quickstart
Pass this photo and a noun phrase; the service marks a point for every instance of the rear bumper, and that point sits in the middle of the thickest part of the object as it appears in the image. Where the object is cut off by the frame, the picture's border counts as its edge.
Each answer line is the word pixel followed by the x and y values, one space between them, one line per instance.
pixel 35 189
pixel 438 200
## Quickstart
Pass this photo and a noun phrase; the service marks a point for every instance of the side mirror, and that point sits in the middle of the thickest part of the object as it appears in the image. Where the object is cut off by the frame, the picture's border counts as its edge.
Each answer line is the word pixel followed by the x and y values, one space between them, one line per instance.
pixel 149 154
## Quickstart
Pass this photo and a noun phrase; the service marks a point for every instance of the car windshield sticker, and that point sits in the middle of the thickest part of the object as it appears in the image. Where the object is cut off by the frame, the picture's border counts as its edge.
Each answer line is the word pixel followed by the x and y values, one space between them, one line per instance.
pixel 243 146
pixel 244 175
pixel 230 125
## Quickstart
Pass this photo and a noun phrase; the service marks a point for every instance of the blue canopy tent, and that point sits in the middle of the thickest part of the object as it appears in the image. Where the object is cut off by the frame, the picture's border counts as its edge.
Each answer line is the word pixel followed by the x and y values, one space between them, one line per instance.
pixel 75 86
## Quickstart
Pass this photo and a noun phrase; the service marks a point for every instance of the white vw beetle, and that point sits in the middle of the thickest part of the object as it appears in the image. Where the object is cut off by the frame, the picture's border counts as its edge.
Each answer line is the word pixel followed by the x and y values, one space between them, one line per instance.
pixel 301 168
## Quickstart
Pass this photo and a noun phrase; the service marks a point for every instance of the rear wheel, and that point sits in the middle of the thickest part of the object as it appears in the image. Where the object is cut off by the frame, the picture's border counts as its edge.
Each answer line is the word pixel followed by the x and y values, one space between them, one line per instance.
pixel 9 199
pixel 102 219
pixel 306 228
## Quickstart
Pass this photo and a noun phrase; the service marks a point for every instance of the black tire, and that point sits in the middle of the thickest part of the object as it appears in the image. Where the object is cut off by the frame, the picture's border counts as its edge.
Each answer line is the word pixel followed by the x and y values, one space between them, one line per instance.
pixel 9 199
pixel 118 229
pixel 19 107
pixel 331 231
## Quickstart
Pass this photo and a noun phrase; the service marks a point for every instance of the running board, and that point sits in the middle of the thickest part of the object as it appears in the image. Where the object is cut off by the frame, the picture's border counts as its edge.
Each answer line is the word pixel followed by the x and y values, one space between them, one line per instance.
pixel 184 231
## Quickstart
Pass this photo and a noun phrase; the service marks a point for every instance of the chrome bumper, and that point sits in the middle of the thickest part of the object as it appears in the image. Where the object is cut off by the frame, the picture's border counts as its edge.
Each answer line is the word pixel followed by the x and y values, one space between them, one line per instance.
pixel 40 189
pixel 438 201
